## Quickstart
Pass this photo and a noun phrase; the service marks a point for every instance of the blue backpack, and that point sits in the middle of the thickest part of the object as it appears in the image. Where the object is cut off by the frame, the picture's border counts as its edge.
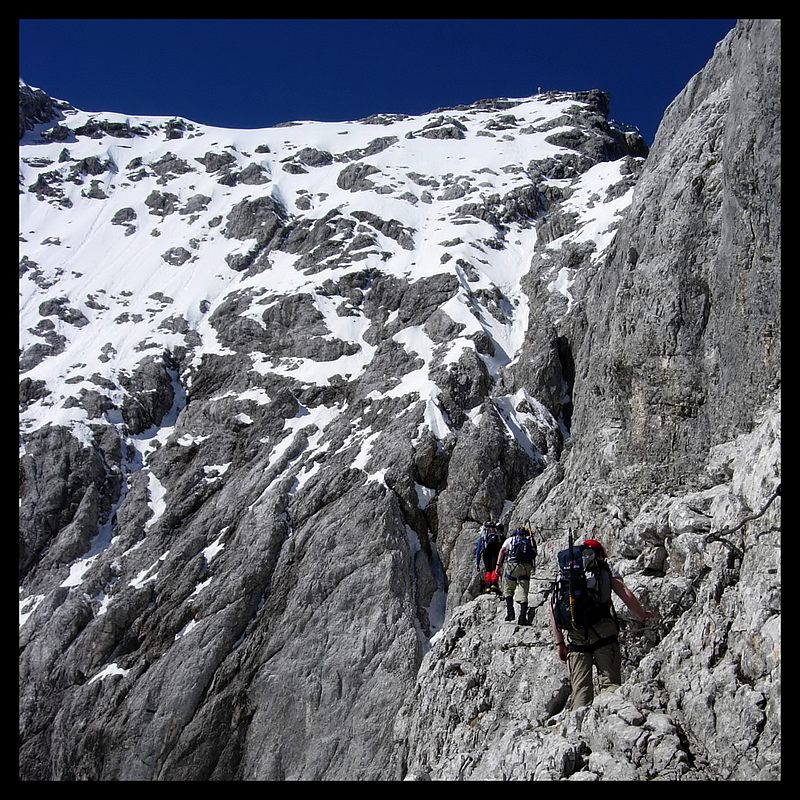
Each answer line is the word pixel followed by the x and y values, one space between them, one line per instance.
pixel 581 594
pixel 522 549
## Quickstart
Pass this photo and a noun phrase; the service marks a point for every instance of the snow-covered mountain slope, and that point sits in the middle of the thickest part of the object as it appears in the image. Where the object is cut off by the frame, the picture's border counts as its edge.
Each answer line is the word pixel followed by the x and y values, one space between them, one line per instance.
pixel 164 242
pixel 131 238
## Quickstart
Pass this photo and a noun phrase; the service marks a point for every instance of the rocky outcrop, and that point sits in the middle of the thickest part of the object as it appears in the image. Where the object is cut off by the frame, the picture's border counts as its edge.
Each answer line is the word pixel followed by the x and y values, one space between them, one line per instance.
pixel 35 107
pixel 354 177
pixel 149 394
pixel 60 483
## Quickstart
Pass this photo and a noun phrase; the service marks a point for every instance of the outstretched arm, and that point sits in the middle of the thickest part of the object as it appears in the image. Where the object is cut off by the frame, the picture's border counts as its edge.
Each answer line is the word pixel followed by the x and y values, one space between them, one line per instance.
pixel 639 612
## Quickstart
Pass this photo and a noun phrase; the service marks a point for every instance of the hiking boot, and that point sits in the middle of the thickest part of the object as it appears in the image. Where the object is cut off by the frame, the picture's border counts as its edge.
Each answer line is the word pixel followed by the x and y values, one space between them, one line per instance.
pixel 509 609
pixel 523 614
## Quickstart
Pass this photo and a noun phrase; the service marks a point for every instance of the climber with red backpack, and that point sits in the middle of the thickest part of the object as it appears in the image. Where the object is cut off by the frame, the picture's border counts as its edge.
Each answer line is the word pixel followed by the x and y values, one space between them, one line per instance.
pixel 515 564
pixel 487 548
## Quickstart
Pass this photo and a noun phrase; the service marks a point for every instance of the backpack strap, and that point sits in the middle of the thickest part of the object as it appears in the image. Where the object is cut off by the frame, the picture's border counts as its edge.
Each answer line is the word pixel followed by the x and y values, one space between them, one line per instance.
pixel 612 610
pixel 611 603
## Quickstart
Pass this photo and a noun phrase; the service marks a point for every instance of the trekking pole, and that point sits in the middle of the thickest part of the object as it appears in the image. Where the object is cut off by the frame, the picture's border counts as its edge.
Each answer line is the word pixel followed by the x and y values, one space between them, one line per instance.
pixel 533 541
pixel 571 570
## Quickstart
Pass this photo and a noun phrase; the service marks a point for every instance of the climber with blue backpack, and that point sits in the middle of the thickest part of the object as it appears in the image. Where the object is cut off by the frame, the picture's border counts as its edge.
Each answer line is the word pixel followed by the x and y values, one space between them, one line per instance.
pixel 515 563
pixel 581 609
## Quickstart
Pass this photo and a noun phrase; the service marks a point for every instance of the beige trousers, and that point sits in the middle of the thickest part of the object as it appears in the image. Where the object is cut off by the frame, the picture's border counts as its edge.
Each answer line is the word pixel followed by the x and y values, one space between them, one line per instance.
pixel 607 659
pixel 517 581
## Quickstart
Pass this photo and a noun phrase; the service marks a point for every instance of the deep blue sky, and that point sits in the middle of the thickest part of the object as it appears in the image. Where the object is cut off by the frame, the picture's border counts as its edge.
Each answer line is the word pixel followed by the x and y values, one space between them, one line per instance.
pixel 256 73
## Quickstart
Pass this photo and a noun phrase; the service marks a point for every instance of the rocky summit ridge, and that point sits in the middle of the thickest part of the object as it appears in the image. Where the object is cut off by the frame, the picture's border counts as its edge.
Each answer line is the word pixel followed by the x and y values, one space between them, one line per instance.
pixel 272 381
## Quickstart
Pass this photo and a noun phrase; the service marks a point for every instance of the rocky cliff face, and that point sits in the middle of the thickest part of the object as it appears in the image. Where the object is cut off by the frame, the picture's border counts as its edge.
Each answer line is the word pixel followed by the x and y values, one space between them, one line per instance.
pixel 272 381
pixel 674 462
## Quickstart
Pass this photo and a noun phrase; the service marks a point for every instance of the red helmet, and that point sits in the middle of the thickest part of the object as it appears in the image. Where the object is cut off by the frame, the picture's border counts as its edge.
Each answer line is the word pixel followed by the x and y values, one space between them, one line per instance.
pixel 596 546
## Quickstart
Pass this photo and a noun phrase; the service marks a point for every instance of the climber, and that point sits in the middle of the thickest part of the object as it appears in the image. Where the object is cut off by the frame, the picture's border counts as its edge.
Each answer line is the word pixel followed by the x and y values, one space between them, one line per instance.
pixel 515 564
pixel 581 607
pixel 486 550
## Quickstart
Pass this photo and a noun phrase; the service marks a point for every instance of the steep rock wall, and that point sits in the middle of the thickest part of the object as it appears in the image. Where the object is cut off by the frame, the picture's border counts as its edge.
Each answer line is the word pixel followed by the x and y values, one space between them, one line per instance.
pixel 674 462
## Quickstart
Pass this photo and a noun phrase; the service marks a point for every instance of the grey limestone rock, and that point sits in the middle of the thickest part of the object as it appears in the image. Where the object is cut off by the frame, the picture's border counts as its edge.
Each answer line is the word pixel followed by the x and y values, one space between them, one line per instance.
pixel 373 148
pixel 502 122
pixel 124 215
pixel 262 219
pixel 87 166
pixel 441 328
pixel 59 307
pixel 55 473
pixel 196 203
pixel 391 228
pixel 174 128
pixel 31 390
pixel 390 362
pixel 26 264
pixel 214 162
pixel 258 219
pixel 687 710
pixel 97 128
pixel 556 226
pixel 74 539
pixel 312 157
pixel 169 166
pixel 383 119
pixel 36 353
pixel 176 256
pixel 149 394
pixel 48 185
pixel 463 385
pixel 414 303
pixel 293 327
pixel 253 175
pixel 36 107
pixel 306 236
pixel 441 127
pixel 519 205
pixel 58 133
pixel 444 132
pixel 162 204
pixel 94 403
pixel 354 177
